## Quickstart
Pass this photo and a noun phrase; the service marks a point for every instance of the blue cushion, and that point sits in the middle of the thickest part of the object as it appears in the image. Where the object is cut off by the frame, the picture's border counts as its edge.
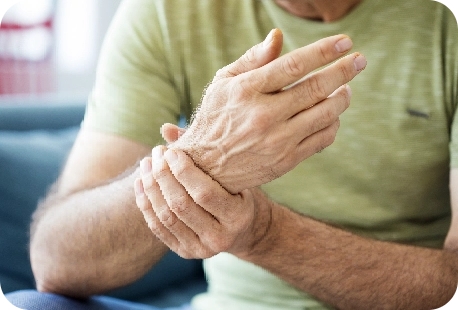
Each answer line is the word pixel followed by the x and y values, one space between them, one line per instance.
pixel 30 161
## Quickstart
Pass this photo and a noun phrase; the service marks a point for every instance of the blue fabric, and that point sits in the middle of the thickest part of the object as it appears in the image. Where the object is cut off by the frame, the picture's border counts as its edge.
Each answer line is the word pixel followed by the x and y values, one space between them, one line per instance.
pixel 29 163
pixel 33 300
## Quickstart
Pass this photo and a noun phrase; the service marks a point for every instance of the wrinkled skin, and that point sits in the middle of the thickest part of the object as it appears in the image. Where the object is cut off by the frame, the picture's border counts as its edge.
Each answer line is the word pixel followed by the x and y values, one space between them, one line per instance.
pixel 260 117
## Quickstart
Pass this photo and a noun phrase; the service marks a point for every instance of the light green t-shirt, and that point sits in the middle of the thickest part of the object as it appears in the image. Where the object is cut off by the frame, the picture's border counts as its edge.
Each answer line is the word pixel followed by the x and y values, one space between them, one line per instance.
pixel 386 175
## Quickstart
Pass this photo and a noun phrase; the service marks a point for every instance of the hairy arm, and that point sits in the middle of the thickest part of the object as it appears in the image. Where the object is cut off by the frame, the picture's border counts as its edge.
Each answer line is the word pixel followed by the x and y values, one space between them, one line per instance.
pixel 350 272
pixel 88 236
pixel 337 267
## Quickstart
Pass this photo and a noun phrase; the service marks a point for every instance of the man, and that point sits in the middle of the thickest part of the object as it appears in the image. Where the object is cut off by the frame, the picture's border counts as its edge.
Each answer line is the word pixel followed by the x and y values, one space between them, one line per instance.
pixel 384 188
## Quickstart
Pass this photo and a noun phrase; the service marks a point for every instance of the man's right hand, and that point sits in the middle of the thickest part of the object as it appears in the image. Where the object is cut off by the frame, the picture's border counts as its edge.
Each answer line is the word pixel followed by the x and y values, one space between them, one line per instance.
pixel 260 117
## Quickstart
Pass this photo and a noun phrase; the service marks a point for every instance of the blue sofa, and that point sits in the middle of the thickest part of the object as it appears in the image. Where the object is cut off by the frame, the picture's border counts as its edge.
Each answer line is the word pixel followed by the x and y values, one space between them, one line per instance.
pixel 34 142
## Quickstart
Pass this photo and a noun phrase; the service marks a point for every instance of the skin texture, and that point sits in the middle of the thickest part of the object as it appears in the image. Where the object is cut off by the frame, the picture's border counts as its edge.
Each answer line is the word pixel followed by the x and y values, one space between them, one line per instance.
pixel 93 203
pixel 79 236
pixel 195 217
pixel 93 206
pixel 244 150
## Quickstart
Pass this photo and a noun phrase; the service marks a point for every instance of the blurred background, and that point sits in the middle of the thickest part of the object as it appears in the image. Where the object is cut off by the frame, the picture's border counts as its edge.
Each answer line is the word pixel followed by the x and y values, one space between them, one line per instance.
pixel 49 49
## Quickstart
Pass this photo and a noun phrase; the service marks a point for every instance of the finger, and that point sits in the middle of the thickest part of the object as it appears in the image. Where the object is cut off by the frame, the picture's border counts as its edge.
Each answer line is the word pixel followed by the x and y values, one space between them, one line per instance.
pixel 154 224
pixel 229 212
pixel 318 141
pixel 171 132
pixel 158 191
pixel 178 213
pixel 205 191
pixel 142 201
pixel 255 57
pixel 148 198
pixel 192 219
pixel 321 84
pixel 321 115
pixel 293 66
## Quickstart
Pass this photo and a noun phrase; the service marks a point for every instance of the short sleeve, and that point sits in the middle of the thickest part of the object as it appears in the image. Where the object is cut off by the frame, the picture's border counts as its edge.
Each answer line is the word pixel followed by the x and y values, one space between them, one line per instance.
pixel 133 93
pixel 452 86
pixel 454 142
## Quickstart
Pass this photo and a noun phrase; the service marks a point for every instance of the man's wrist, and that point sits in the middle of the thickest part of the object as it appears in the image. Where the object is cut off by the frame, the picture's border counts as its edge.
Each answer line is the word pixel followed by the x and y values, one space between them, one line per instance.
pixel 268 213
pixel 208 159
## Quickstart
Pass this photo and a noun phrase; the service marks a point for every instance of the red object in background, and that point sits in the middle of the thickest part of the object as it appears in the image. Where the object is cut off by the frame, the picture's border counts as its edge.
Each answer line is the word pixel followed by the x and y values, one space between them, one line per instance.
pixel 17 26
pixel 20 77
pixel 26 40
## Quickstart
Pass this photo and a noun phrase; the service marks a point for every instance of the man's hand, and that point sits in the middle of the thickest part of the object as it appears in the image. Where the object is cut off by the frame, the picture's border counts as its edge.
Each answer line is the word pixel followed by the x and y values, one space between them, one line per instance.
pixel 260 117
pixel 337 267
pixel 192 214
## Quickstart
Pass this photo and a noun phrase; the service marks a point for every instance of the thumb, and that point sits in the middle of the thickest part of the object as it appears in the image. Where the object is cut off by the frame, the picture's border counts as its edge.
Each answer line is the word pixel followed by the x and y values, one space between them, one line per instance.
pixel 171 132
pixel 256 57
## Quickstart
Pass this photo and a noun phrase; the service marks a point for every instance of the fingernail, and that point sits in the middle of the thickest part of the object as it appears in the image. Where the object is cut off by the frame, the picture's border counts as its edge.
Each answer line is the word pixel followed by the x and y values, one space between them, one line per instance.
pixel 268 39
pixel 360 63
pixel 139 190
pixel 157 153
pixel 343 45
pixel 171 156
pixel 145 166
pixel 158 158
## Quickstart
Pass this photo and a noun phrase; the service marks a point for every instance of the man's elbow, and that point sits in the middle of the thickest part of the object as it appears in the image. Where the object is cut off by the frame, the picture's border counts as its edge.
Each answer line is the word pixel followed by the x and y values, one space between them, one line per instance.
pixel 53 276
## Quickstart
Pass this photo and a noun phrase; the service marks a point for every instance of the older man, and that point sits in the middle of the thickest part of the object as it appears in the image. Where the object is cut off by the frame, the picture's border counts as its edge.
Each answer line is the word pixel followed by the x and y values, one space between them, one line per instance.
pixel 365 224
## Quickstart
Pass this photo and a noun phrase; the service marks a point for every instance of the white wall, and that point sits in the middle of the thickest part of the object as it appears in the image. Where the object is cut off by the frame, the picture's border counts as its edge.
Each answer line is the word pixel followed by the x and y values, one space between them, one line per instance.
pixel 80 28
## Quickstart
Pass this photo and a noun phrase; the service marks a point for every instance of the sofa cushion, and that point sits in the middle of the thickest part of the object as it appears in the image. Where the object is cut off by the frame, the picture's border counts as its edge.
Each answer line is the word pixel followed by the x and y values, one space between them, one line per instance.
pixel 30 161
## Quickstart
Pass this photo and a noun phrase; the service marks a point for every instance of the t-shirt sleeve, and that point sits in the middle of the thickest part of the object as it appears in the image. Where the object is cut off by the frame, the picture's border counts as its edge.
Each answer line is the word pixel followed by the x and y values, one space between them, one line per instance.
pixel 454 142
pixel 133 93
pixel 452 87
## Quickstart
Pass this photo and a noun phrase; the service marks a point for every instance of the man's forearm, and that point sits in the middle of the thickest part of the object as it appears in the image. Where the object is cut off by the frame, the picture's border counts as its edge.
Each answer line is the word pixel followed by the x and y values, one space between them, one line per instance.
pixel 351 272
pixel 92 241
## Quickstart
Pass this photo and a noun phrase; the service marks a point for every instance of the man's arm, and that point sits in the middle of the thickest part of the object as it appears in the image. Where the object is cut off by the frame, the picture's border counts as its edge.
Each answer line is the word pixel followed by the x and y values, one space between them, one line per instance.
pixel 196 217
pixel 87 236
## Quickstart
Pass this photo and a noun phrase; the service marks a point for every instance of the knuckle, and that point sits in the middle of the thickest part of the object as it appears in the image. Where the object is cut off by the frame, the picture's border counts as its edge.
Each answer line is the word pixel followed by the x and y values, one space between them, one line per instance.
pixel 203 196
pixel 323 53
pixel 154 226
pixel 329 137
pixel 179 204
pixel 345 99
pixel 242 89
pixel 345 73
pixel 328 115
pixel 159 171
pixel 315 89
pixel 261 119
pixel 249 58
pixel 293 67
pixel 166 217
pixel 181 168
